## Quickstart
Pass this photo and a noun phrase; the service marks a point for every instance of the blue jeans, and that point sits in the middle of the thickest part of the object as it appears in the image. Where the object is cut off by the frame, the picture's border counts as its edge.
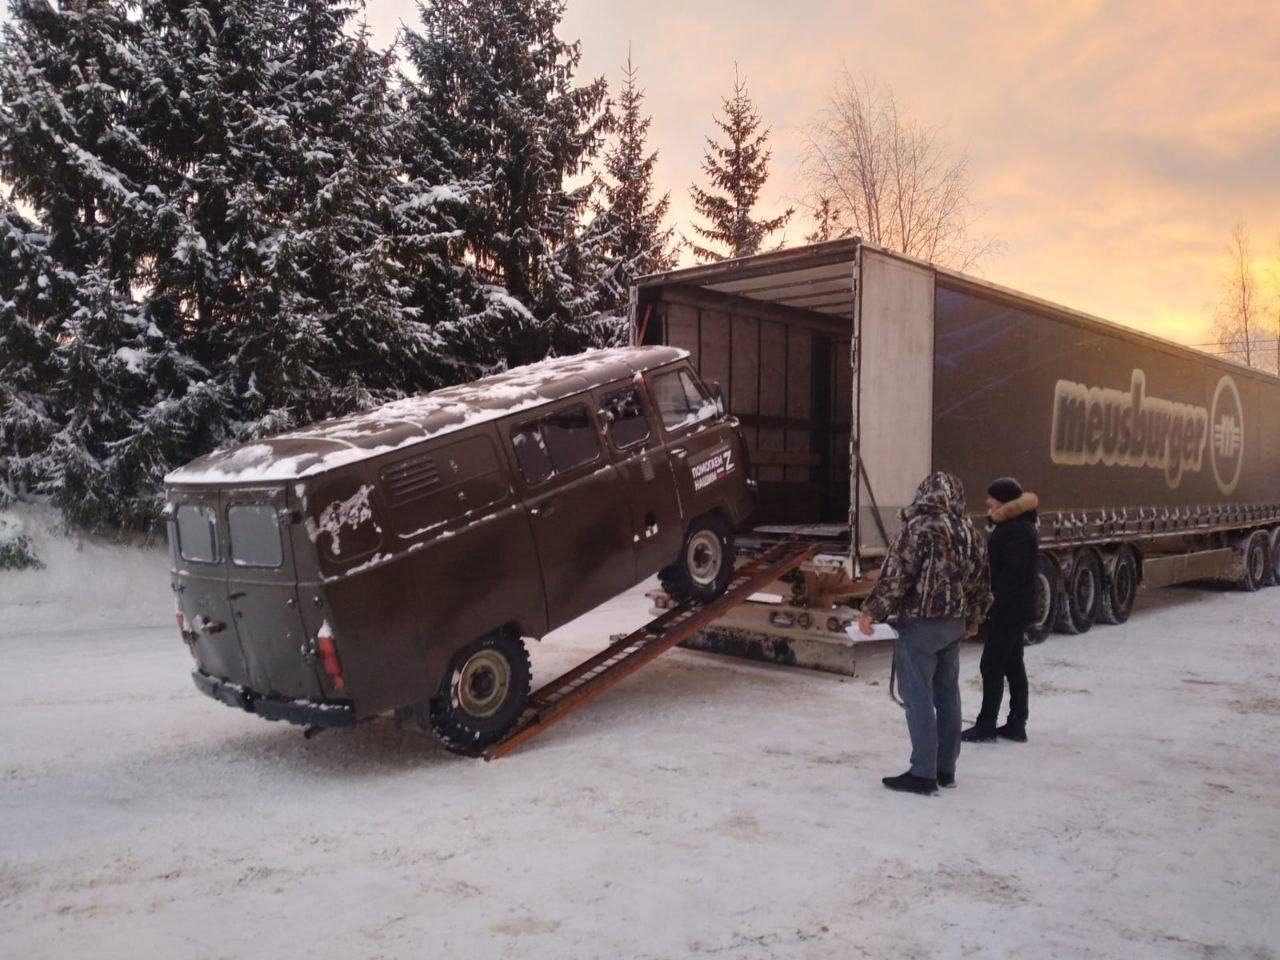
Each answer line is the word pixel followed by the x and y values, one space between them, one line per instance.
pixel 928 657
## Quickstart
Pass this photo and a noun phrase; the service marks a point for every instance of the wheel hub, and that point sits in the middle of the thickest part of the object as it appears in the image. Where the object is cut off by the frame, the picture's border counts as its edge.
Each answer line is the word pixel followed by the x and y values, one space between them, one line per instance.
pixel 483 683
pixel 1257 564
pixel 1084 591
pixel 705 556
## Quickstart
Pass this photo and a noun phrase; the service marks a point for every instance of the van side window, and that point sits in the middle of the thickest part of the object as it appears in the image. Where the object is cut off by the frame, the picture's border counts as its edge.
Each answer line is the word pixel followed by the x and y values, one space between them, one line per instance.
pixel 624 412
pixel 531 451
pixel 555 444
pixel 197 533
pixel 680 399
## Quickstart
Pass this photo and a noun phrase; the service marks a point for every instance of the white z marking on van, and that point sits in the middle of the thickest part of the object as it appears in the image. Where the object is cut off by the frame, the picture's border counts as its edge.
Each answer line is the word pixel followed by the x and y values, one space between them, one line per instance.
pixel 716 467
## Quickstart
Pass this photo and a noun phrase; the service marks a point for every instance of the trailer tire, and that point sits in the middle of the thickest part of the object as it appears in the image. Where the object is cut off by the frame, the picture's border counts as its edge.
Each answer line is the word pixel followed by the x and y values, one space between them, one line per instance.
pixel 484 691
pixel 1048 584
pixel 1120 589
pixel 705 566
pixel 1080 596
pixel 1255 573
pixel 1273 541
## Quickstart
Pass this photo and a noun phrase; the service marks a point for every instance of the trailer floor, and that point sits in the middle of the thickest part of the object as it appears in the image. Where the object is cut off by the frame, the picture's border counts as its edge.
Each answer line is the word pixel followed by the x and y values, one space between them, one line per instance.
pixel 704 807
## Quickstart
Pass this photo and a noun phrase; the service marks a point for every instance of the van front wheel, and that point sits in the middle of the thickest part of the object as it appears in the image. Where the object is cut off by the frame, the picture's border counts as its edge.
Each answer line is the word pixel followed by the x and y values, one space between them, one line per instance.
pixel 483 693
pixel 705 566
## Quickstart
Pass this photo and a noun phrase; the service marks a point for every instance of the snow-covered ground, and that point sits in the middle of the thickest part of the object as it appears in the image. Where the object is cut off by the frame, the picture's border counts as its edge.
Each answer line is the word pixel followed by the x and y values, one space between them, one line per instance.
pixel 706 806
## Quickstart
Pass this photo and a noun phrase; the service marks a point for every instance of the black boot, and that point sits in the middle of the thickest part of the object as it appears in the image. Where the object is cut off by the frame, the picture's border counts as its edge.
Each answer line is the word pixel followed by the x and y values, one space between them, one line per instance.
pixel 1015 730
pixel 979 733
pixel 910 783
pixel 946 779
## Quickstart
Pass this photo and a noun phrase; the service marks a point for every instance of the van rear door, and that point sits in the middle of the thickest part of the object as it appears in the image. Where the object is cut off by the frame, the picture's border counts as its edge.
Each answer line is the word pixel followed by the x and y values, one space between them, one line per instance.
pixel 263 595
pixel 198 546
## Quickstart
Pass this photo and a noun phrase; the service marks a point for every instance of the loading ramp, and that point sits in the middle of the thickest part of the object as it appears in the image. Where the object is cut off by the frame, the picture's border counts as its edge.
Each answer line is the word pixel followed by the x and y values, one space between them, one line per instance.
pixel 579 686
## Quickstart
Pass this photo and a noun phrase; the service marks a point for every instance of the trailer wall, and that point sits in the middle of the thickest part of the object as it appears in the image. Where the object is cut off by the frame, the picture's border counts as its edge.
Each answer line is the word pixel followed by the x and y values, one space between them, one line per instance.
pixel 1091 417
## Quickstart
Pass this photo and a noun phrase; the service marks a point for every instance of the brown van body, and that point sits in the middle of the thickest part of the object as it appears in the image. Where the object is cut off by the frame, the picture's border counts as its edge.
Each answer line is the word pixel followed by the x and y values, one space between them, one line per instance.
pixel 516 503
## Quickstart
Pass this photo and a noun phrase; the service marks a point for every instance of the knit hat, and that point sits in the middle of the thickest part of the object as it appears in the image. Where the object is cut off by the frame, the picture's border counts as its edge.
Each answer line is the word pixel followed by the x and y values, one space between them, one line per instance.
pixel 1005 489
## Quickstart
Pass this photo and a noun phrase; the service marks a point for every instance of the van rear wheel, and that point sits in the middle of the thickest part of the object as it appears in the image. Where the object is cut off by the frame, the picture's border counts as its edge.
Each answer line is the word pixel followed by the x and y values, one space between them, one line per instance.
pixel 705 566
pixel 484 691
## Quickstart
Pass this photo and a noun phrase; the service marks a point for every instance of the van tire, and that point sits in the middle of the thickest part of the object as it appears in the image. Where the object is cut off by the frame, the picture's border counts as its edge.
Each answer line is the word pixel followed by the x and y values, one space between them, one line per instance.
pixel 705 566
pixel 484 691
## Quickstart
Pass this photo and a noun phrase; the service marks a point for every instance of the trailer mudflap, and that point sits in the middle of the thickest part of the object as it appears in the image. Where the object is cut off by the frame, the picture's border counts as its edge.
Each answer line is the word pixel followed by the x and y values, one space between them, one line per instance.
pixel 302 712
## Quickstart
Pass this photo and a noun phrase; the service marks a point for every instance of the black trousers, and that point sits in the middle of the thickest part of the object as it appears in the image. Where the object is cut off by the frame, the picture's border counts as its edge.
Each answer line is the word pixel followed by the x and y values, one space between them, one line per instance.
pixel 1002 660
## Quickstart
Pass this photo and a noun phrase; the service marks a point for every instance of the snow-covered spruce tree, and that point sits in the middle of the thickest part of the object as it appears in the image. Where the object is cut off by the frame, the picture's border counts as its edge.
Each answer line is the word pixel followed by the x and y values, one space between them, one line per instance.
pixel 494 106
pixel 287 228
pixel 32 292
pixel 737 169
pixel 69 75
pixel 629 218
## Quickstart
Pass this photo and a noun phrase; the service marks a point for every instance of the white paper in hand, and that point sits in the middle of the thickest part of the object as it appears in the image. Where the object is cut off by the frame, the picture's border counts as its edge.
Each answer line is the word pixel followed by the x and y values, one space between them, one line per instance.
pixel 879 631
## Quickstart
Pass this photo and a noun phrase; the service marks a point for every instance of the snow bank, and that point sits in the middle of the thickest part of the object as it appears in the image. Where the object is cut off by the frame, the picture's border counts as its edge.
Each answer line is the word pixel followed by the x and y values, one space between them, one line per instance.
pixel 86 580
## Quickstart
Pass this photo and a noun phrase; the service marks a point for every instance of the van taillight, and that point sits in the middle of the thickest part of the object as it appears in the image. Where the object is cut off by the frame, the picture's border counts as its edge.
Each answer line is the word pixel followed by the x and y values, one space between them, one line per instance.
pixel 329 655
pixel 187 638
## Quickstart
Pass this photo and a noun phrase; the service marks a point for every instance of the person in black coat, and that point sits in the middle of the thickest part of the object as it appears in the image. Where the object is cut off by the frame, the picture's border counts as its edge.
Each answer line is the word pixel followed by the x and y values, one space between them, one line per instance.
pixel 1012 547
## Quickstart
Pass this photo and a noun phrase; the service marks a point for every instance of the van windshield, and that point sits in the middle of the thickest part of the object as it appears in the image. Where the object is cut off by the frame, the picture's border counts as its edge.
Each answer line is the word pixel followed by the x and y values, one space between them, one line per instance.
pixel 255 535
pixel 680 400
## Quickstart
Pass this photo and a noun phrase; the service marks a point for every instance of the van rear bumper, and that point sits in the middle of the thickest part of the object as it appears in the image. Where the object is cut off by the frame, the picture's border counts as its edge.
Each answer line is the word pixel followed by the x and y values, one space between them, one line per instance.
pixel 305 712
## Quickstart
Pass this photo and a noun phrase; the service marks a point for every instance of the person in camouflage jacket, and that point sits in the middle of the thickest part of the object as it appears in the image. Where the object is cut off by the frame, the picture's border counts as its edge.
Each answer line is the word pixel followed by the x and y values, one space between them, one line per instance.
pixel 935 583
pixel 936 567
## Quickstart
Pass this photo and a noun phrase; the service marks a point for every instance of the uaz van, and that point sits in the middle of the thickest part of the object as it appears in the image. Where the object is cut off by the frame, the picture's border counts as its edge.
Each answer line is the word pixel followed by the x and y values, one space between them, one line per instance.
pixel 396 559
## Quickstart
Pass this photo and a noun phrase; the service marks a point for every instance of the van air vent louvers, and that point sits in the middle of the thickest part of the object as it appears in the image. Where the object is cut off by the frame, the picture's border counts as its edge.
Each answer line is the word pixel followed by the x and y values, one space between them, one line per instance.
pixel 410 479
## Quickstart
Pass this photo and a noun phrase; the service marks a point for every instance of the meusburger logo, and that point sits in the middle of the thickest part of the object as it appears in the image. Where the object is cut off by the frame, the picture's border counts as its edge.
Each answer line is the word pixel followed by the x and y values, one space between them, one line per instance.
pixel 1228 435
pixel 1093 425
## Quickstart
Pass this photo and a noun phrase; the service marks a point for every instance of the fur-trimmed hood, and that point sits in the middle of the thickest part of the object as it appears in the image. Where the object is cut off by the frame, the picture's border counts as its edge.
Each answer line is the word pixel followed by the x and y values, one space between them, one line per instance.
pixel 1026 503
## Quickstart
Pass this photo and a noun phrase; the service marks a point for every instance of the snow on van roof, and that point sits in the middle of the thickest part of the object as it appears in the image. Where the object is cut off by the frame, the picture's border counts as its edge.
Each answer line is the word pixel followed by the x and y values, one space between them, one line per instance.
pixel 333 443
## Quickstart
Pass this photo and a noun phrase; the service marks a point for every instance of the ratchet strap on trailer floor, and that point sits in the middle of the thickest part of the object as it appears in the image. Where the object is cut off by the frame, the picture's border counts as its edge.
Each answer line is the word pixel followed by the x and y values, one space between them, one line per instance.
pixel 619 660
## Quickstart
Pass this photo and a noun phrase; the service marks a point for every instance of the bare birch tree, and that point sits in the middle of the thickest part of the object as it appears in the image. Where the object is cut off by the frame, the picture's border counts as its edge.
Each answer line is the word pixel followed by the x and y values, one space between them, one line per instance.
pixel 1236 324
pixel 889 179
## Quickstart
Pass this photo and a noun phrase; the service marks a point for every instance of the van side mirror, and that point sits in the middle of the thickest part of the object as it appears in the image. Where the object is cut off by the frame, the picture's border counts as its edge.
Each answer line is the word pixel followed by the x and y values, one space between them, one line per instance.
pixel 717 394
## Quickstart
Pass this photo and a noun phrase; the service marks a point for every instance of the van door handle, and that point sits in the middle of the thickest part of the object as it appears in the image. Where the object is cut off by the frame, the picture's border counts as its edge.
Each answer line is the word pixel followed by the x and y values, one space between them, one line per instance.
pixel 544 509
pixel 205 625
pixel 235 596
pixel 680 452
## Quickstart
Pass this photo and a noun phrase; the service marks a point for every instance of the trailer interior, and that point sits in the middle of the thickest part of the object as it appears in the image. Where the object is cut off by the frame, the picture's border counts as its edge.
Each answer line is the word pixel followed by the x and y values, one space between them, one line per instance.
pixel 775 331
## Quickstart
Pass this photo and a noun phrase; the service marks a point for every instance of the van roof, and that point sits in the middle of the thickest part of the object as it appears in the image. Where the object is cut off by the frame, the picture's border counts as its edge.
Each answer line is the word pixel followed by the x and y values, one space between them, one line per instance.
pixel 401 423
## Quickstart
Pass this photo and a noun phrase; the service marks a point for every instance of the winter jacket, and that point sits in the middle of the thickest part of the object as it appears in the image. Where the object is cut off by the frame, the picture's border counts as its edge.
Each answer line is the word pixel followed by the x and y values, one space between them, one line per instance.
pixel 937 565
pixel 1012 548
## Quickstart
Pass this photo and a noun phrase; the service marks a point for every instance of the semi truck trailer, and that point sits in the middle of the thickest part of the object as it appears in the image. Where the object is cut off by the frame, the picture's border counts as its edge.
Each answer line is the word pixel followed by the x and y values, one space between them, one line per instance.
pixel 855 371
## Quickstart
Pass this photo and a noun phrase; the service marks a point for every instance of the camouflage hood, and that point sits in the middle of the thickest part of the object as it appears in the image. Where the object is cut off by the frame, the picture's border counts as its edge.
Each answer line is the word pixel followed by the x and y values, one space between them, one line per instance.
pixel 939 494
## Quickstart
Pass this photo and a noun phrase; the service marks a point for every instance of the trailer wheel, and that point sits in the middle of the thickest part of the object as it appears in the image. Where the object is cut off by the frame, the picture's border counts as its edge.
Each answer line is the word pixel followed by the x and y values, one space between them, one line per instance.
pixel 1273 541
pixel 1048 585
pixel 1081 595
pixel 1255 573
pixel 483 693
pixel 705 565
pixel 1120 589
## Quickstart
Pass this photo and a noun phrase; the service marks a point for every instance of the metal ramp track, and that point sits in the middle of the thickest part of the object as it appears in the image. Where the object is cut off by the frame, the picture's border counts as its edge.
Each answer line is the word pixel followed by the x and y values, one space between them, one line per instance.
pixel 624 657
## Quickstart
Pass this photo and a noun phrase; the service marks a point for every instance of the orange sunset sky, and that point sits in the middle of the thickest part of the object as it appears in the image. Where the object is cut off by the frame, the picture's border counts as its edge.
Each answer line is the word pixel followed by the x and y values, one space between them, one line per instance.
pixel 1112 145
